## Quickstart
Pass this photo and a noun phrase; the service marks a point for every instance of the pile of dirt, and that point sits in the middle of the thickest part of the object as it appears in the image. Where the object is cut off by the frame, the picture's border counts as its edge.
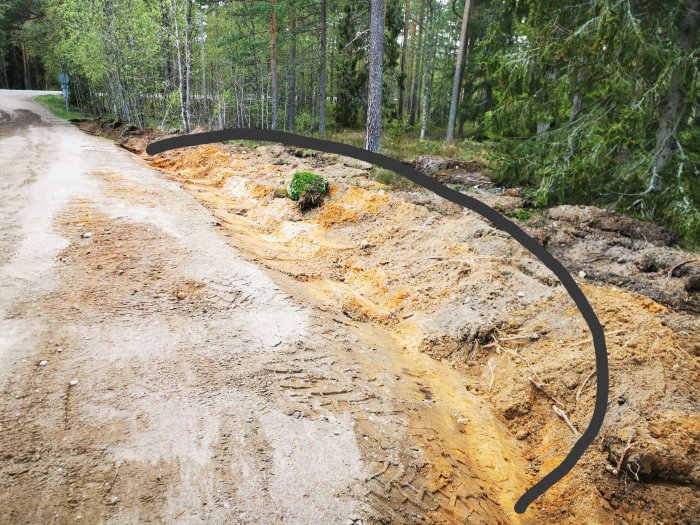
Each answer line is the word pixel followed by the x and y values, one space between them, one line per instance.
pixel 613 249
pixel 197 164
pixel 127 136
pixel 354 203
pixel 454 171
pixel 445 283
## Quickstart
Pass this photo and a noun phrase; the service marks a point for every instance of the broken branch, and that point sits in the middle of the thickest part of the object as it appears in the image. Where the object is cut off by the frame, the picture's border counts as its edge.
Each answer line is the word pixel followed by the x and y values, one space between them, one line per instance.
pixel 583 384
pixel 540 387
pixel 558 411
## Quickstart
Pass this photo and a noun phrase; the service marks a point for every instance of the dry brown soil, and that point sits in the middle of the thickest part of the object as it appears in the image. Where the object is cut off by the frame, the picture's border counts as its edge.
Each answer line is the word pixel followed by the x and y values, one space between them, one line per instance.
pixel 385 358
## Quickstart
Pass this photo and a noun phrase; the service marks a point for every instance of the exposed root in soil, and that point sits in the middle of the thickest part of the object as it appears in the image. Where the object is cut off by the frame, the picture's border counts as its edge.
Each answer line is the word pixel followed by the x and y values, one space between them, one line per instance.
pixel 445 284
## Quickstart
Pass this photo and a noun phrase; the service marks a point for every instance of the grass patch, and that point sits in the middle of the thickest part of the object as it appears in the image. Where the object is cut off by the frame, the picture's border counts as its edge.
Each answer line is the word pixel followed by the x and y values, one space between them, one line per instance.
pixel 521 214
pixel 305 153
pixel 252 144
pixel 390 178
pixel 57 105
pixel 407 146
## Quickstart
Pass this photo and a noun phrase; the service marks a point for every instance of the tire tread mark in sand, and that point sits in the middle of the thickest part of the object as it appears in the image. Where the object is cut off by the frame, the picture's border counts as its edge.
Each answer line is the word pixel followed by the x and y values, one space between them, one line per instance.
pixel 399 489
pixel 496 218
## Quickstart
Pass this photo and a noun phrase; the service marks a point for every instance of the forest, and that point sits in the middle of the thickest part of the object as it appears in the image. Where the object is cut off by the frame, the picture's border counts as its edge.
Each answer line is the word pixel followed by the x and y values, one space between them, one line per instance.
pixel 577 101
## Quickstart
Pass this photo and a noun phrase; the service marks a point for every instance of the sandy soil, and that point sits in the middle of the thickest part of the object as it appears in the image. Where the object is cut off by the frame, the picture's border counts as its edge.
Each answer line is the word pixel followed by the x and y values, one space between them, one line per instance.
pixel 445 284
pixel 151 374
pixel 214 355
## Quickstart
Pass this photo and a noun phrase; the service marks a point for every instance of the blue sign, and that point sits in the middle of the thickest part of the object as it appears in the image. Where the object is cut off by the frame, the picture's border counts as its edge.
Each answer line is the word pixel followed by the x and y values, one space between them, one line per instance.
pixel 64 79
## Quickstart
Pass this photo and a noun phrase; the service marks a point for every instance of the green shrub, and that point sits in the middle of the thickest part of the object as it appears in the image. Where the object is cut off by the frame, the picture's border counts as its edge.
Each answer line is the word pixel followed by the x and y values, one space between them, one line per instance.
pixel 521 214
pixel 305 153
pixel 307 188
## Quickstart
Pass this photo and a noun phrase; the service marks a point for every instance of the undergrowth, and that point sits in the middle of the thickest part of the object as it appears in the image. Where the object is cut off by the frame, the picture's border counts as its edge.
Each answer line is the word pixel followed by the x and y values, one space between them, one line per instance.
pixel 57 105
pixel 307 189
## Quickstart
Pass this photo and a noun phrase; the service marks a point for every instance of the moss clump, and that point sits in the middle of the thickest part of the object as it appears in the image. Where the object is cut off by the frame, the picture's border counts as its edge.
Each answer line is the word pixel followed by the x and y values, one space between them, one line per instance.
pixel 522 214
pixel 307 189
pixel 305 153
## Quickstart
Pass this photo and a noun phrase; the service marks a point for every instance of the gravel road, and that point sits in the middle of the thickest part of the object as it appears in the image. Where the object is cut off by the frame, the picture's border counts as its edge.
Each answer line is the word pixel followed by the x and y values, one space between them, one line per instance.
pixel 150 374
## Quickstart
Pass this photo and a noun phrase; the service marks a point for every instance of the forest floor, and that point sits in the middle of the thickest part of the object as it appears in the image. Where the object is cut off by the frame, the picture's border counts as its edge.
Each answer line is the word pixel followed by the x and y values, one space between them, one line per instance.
pixel 374 360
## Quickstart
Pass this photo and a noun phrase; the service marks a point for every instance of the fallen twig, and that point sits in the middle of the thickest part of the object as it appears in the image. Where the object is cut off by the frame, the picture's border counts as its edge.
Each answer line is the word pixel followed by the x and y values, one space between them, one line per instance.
pixel 114 479
pixel 583 384
pixel 451 261
pixel 589 340
pixel 674 268
pixel 540 387
pixel 500 348
pixel 692 359
pixel 625 450
pixel 566 419
pixel 489 362
pixel 532 337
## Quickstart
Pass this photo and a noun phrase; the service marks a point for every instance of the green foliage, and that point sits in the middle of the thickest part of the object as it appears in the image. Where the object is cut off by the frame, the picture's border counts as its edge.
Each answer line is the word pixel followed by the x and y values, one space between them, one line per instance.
pixel 390 178
pixel 307 188
pixel 581 100
pixel 521 214
pixel 572 100
pixel 57 105
pixel 352 72
pixel 305 153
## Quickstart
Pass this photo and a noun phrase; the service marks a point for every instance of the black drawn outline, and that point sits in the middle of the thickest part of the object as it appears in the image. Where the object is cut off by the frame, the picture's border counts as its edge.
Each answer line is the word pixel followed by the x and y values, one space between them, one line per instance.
pixel 497 220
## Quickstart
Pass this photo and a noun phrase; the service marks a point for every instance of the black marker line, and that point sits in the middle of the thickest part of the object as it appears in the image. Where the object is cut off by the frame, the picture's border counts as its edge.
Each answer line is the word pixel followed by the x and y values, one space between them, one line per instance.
pixel 493 216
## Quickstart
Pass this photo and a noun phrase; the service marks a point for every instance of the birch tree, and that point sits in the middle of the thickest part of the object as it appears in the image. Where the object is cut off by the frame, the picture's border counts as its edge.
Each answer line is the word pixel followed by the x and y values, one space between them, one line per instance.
pixel 273 64
pixel 322 72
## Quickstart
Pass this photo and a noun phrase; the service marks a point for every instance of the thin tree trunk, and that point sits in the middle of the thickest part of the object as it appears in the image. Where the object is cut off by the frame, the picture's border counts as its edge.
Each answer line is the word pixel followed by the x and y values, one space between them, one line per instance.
pixel 374 98
pixel 203 89
pixel 291 72
pixel 4 81
pixel 188 62
pixel 429 53
pixel 184 110
pixel 165 56
pixel 25 66
pixel 322 75
pixel 404 48
pixel 458 72
pixel 576 106
pixel 417 76
pixel 675 105
pixel 273 64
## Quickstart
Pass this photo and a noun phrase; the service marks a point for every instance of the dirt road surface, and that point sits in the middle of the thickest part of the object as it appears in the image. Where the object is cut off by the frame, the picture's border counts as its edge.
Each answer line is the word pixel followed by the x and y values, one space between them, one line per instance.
pixel 150 374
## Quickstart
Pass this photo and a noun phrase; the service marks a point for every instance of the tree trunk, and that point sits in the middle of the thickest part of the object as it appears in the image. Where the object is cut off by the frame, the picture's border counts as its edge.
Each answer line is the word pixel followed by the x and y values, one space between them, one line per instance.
pixel 417 76
pixel 429 55
pixel 675 104
pixel 25 66
pixel 188 62
pixel 322 75
pixel 404 47
pixel 4 82
pixel 374 98
pixel 458 72
pixel 165 56
pixel 291 72
pixel 184 109
pixel 273 65
pixel 203 89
